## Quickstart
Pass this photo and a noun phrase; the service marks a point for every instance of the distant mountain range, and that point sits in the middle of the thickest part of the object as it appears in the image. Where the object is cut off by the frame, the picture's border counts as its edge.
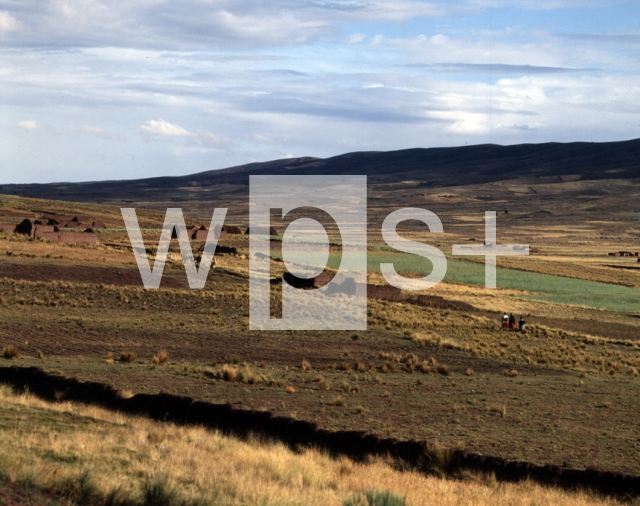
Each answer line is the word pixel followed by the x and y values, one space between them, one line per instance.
pixel 434 167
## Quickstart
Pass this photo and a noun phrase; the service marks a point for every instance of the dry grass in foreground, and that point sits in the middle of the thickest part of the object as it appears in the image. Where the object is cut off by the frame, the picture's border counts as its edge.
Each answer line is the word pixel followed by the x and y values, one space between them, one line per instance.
pixel 94 456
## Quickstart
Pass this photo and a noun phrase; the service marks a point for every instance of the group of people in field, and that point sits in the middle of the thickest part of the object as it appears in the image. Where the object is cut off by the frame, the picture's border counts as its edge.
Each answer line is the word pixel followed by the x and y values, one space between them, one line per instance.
pixel 509 322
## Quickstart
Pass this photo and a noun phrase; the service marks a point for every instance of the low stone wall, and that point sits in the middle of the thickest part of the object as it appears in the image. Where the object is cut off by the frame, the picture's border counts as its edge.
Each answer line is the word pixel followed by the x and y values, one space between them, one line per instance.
pixel 78 238
pixel 355 444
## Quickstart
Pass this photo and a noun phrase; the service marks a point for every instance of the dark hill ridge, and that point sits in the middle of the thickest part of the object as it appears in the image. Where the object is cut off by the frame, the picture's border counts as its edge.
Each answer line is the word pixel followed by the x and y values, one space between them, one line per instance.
pixel 429 167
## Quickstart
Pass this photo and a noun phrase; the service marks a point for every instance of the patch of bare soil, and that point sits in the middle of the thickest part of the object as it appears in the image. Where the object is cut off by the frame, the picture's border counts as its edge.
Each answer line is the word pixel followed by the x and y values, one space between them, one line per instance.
pixel 82 274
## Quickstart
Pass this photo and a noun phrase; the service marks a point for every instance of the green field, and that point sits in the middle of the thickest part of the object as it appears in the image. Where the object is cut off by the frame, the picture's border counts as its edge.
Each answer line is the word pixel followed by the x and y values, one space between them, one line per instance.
pixel 558 289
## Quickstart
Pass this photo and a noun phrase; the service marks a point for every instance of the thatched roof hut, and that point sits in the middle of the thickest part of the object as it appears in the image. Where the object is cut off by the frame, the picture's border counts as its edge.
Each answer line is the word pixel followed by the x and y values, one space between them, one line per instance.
pixel 232 229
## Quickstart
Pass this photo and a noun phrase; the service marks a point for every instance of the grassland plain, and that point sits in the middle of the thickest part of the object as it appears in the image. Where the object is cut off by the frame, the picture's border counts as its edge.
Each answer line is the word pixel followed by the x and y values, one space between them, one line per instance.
pixel 87 455
pixel 564 392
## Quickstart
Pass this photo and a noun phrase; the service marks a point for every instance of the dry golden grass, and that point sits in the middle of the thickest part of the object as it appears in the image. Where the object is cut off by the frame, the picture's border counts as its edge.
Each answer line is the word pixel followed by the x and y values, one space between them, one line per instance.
pixel 160 358
pixel 127 356
pixel 10 352
pixel 54 444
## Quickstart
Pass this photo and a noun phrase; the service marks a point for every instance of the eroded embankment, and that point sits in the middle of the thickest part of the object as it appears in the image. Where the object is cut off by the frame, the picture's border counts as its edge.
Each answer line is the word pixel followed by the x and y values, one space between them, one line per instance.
pixel 354 444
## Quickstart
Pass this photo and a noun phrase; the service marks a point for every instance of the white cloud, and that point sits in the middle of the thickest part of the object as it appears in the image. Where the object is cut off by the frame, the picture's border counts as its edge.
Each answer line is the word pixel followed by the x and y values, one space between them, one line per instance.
pixel 174 24
pixel 205 140
pixel 163 128
pixel 29 125
pixel 98 132
pixel 8 23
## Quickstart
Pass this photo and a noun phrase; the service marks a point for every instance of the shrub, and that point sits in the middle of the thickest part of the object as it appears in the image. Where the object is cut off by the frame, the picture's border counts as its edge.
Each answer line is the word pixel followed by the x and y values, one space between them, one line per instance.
pixel 510 374
pixel 469 372
pixel 290 390
pixel 160 358
pixel 10 352
pixel 127 356
pixel 306 366
pixel 360 366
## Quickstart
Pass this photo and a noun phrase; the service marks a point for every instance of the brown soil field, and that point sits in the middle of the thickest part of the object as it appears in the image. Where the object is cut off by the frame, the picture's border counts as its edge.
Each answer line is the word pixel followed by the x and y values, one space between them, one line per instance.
pixel 83 274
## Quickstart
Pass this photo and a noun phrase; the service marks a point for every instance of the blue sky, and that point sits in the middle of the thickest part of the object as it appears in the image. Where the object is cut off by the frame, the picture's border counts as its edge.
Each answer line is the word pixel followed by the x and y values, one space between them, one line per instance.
pixel 104 89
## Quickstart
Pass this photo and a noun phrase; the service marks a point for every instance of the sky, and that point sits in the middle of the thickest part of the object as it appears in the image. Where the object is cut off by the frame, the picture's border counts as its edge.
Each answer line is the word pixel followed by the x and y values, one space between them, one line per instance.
pixel 108 89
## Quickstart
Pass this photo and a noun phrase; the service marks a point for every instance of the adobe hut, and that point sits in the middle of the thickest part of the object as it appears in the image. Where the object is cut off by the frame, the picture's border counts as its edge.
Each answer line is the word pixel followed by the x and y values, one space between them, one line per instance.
pixel 220 232
pixel 189 231
pixel 232 229
pixel 39 230
pixel 200 234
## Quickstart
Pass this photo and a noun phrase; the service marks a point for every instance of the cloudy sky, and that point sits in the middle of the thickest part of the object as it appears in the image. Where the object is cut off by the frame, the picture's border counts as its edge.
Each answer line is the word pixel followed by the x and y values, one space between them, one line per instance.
pixel 108 89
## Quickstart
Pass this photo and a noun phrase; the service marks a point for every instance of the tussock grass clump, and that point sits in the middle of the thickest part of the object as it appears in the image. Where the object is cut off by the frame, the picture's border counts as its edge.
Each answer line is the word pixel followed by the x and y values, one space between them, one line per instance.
pixel 345 366
pixel 498 409
pixel 439 461
pixel 324 385
pixel 290 390
pixel 306 365
pixel 339 401
pixel 127 356
pixel 10 352
pixel 443 369
pixel 424 367
pixel 229 373
pixel 376 498
pixel 469 372
pixel 158 492
pixel 511 373
pixel 160 358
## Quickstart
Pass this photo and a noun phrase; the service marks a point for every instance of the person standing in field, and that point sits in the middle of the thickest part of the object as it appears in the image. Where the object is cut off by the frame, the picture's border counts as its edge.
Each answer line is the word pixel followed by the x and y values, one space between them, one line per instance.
pixel 505 321
pixel 521 324
pixel 512 322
